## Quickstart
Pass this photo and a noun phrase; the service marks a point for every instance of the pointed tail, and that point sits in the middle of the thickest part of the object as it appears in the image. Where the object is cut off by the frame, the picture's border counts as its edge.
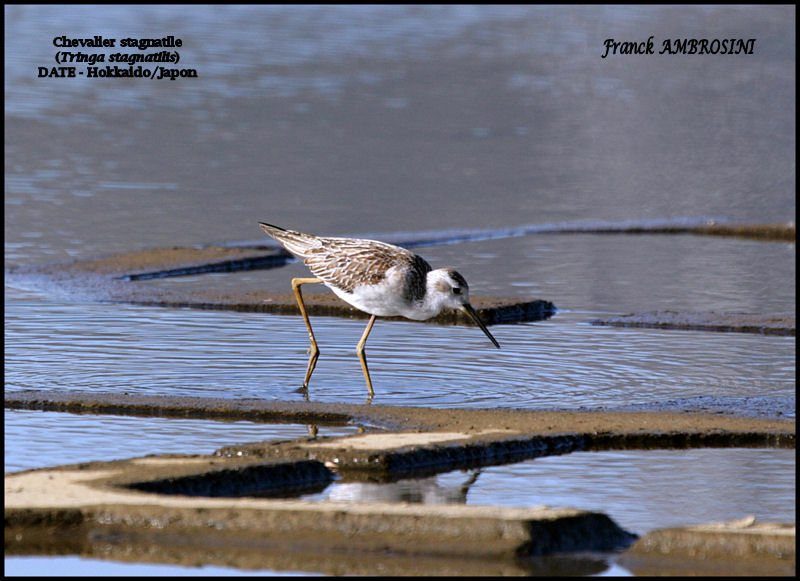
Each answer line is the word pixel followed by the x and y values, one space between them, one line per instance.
pixel 295 242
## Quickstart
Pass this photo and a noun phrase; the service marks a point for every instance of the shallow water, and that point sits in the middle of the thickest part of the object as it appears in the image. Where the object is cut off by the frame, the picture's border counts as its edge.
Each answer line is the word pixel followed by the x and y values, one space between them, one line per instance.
pixel 588 272
pixel 386 119
pixel 38 439
pixel 641 490
pixel 560 363
pixel 78 566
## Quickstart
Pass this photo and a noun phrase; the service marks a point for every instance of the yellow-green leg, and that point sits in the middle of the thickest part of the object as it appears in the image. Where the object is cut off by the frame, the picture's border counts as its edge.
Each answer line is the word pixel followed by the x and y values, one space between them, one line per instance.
pixel 363 358
pixel 313 350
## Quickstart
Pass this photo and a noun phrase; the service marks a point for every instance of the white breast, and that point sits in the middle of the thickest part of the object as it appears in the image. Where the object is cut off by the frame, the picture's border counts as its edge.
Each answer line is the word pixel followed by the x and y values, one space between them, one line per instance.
pixel 385 299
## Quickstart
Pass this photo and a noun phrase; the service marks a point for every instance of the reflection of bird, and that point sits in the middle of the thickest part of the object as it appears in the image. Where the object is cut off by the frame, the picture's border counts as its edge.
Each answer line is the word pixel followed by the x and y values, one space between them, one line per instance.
pixel 431 490
pixel 377 278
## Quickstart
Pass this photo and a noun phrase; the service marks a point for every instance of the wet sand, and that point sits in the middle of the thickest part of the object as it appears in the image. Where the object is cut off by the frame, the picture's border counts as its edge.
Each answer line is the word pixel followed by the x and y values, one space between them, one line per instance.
pixel 730 322
pixel 170 500
pixel 413 418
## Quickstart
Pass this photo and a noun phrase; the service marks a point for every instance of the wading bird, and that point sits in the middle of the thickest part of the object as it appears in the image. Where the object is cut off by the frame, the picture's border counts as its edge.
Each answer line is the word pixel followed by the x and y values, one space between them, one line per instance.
pixel 378 278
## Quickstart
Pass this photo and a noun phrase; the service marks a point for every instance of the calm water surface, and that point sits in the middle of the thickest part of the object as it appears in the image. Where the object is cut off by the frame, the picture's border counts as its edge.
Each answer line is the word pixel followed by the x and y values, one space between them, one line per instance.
pixel 358 119
pixel 37 439
pixel 636 488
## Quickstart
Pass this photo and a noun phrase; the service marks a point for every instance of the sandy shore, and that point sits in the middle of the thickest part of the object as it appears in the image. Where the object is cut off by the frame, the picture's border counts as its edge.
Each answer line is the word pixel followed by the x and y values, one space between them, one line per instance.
pixel 172 508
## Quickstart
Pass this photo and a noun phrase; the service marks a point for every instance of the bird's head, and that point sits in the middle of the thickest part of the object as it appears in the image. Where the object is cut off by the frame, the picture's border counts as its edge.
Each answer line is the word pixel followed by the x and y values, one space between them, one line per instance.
pixel 451 290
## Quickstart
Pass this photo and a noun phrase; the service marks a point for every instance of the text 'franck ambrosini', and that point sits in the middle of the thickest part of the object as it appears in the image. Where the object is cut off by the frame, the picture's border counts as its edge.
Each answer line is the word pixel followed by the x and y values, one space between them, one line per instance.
pixel 692 46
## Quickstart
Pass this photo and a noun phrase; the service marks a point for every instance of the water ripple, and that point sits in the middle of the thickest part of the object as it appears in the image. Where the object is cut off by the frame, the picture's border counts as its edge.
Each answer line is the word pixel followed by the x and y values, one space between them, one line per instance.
pixel 562 362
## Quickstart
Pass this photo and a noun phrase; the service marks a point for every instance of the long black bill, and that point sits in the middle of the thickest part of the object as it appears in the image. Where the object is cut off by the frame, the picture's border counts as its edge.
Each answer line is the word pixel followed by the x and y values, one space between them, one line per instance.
pixel 471 312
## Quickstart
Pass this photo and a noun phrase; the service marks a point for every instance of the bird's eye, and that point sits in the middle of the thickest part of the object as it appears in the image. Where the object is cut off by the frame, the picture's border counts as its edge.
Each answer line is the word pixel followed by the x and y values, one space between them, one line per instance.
pixel 456 290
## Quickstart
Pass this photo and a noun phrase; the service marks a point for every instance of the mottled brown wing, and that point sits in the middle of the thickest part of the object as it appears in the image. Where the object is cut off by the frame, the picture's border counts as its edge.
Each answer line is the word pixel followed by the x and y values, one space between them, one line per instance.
pixel 349 262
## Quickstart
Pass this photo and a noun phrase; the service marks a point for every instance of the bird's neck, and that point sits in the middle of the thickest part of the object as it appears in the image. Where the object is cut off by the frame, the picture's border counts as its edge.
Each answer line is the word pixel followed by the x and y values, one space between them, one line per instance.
pixel 431 303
